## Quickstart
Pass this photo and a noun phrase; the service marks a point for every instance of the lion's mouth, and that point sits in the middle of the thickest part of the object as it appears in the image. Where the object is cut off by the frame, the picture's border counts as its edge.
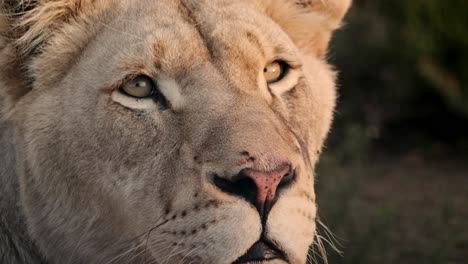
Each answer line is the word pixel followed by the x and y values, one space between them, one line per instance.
pixel 262 250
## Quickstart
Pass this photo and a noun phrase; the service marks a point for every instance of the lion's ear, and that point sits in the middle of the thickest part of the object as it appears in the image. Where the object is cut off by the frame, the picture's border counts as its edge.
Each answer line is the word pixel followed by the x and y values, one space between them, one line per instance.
pixel 309 23
pixel 26 26
pixel 33 22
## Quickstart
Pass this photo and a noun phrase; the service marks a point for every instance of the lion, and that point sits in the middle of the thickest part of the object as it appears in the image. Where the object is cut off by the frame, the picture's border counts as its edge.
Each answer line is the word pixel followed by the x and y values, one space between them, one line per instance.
pixel 168 131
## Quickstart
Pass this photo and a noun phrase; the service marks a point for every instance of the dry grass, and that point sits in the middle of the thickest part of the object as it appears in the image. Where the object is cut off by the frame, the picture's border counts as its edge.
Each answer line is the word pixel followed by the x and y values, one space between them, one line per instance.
pixel 400 210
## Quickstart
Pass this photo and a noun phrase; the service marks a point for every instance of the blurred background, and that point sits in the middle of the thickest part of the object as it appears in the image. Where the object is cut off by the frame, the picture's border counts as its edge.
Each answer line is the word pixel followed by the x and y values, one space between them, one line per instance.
pixel 392 183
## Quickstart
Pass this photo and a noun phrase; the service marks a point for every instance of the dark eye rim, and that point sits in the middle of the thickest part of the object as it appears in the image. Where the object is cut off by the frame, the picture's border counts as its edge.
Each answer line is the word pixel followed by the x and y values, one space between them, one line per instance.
pixel 285 69
pixel 155 93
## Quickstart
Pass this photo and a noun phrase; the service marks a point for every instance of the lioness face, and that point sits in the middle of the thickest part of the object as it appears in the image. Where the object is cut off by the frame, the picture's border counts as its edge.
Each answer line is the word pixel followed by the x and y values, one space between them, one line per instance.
pixel 175 132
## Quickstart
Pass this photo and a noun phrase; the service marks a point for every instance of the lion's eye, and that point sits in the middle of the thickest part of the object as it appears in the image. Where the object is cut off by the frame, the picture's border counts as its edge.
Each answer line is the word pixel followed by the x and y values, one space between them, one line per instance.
pixel 275 71
pixel 143 87
pixel 139 87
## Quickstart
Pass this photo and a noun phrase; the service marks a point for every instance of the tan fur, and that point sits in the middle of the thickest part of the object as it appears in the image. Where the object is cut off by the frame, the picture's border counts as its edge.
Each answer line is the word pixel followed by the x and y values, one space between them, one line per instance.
pixel 103 178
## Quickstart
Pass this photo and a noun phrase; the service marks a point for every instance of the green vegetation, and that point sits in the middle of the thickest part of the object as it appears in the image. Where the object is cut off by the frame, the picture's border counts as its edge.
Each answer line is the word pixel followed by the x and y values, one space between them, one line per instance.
pixel 407 49
pixel 437 36
pixel 392 182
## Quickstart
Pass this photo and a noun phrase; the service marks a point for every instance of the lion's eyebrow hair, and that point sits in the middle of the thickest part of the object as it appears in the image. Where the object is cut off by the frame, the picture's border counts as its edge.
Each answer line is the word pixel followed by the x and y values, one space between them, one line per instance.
pixel 120 31
pixel 280 49
pixel 158 52
pixel 254 40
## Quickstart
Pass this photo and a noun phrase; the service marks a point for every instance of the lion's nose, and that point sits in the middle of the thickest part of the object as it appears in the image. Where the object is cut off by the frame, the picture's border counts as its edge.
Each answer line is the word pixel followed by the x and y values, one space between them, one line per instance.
pixel 258 187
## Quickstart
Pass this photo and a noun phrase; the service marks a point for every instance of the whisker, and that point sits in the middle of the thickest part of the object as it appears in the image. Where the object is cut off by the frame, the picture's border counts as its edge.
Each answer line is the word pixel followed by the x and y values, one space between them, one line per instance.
pixel 138 245
pixel 123 254
pixel 156 225
pixel 329 243
pixel 188 254
pixel 314 253
pixel 175 247
pixel 332 240
pixel 322 252
pixel 168 258
pixel 311 257
pixel 148 234
pixel 154 242
pixel 161 245
pixel 88 227
pixel 168 246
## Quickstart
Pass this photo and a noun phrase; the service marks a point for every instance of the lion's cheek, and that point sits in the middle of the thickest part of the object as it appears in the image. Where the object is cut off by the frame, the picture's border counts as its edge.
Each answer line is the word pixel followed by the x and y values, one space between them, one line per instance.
pixel 222 234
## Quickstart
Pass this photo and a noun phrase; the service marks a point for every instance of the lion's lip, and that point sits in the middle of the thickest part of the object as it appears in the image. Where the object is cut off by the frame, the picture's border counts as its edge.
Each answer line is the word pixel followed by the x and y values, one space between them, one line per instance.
pixel 260 251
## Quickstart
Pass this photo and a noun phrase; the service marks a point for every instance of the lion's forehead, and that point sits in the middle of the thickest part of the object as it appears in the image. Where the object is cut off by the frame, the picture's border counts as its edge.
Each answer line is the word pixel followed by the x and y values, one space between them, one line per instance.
pixel 182 34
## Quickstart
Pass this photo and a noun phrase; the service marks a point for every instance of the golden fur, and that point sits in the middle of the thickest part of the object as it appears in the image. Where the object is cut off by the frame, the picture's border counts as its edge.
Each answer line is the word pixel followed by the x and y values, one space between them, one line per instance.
pixel 94 176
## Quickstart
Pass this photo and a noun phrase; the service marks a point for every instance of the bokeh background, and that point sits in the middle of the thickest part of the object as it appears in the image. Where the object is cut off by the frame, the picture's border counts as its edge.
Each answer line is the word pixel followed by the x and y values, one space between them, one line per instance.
pixel 392 184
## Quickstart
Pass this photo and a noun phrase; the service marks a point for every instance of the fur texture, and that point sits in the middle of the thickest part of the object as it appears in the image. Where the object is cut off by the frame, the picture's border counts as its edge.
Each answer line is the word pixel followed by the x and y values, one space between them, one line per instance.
pixel 90 175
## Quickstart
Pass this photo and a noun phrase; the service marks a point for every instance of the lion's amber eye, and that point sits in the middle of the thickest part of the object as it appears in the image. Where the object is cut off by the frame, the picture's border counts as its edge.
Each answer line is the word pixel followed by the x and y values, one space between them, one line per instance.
pixel 139 87
pixel 274 71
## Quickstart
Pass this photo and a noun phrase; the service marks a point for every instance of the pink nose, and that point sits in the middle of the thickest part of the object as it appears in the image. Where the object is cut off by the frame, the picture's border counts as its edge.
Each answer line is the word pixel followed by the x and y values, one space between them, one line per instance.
pixel 258 187
pixel 267 182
